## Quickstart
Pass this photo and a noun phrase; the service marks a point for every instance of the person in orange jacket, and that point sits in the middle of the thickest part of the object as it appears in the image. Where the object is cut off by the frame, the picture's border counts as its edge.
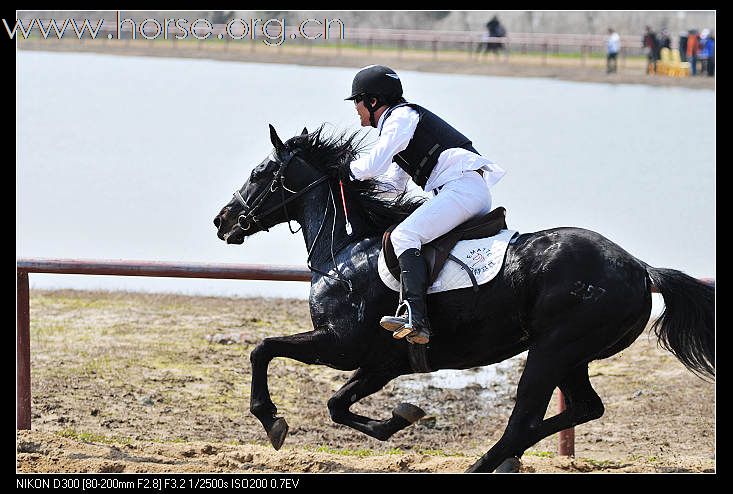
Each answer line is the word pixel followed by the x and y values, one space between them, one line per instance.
pixel 693 45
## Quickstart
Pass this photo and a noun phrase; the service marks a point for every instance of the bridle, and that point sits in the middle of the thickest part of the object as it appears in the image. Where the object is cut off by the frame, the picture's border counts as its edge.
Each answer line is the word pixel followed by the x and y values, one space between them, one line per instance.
pixel 249 214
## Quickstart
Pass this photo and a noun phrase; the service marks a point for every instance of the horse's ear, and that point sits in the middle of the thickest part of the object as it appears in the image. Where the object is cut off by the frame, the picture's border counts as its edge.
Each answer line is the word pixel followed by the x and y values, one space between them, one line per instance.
pixel 279 146
pixel 305 131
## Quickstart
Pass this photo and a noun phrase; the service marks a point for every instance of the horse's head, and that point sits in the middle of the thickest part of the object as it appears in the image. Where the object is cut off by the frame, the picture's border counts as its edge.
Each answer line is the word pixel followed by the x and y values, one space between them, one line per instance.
pixel 281 188
pixel 269 196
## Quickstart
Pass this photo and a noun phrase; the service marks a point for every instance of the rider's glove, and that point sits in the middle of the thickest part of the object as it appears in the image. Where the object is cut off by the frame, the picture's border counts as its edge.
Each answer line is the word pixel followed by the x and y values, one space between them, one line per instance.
pixel 342 171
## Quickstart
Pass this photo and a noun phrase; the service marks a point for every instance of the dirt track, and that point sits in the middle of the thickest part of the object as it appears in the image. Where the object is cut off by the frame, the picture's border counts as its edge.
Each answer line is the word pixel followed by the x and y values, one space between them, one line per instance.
pixel 130 382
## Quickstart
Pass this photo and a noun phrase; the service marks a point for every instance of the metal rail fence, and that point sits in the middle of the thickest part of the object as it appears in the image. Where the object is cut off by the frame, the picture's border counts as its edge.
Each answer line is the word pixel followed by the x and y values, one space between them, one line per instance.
pixel 582 46
pixel 566 444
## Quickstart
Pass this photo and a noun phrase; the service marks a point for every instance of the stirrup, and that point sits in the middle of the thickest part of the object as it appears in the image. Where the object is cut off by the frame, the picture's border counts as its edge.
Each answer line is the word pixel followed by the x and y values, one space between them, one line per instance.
pixel 400 326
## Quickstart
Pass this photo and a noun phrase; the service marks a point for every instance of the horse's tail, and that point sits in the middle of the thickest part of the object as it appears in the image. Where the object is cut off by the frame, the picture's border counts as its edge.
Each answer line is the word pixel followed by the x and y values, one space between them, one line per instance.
pixel 687 325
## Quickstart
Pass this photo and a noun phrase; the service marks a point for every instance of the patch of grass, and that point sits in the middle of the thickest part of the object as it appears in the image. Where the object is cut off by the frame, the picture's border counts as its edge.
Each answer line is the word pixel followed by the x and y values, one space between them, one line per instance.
pixel 438 452
pixel 47 329
pixel 602 463
pixel 361 453
pixel 83 301
pixel 178 364
pixel 98 366
pixel 175 440
pixel 541 454
pixel 89 437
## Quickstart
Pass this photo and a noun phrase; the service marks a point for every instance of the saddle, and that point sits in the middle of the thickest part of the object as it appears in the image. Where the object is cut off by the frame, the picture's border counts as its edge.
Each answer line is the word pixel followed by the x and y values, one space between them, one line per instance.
pixel 438 251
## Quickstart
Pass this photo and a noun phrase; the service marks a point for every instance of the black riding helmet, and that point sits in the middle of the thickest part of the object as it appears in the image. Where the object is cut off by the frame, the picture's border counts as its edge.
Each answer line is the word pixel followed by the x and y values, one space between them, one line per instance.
pixel 375 81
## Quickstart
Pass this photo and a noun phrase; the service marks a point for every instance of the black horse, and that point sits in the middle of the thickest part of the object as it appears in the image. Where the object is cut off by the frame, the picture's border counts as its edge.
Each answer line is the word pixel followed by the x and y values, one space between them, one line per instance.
pixel 567 295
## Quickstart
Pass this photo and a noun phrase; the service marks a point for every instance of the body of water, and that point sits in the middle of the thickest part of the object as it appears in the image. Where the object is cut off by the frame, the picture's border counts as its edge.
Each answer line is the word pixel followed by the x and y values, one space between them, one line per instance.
pixel 132 157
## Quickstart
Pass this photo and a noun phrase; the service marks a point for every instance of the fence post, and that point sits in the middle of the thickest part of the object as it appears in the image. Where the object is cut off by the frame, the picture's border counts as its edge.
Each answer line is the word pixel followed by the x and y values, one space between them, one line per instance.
pixel 622 56
pixel 566 443
pixel 23 355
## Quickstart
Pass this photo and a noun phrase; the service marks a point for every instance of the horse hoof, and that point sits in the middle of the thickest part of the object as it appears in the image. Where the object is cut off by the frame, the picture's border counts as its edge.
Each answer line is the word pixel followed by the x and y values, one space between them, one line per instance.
pixel 277 433
pixel 510 465
pixel 409 412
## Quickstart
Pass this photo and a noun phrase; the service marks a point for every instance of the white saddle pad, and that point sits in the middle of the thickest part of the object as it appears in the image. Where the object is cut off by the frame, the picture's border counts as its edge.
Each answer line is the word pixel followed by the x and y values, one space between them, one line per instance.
pixel 484 256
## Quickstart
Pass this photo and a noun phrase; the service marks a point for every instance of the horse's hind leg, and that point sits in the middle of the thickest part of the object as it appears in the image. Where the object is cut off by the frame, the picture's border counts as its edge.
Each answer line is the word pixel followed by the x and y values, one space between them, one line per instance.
pixel 363 383
pixel 533 395
pixel 582 404
pixel 304 347
pixel 526 425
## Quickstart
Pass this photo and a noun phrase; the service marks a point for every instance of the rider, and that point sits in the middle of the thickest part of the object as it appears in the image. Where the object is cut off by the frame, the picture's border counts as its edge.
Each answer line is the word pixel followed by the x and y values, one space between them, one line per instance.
pixel 415 143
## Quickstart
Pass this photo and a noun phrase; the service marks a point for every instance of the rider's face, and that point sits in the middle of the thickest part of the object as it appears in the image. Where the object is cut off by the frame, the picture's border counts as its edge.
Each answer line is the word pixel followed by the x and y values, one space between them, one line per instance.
pixel 363 113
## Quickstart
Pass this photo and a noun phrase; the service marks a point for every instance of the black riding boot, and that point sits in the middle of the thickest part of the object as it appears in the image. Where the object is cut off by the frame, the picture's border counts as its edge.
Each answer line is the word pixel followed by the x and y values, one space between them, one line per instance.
pixel 414 278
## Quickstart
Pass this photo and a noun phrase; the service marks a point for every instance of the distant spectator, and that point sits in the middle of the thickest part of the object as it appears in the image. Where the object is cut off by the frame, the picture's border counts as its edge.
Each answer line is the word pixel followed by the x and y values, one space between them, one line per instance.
pixel 711 55
pixel 613 46
pixel 702 50
pixel 683 45
pixel 494 29
pixel 492 25
pixel 650 43
pixel 708 52
pixel 500 31
pixel 484 45
pixel 664 40
pixel 693 45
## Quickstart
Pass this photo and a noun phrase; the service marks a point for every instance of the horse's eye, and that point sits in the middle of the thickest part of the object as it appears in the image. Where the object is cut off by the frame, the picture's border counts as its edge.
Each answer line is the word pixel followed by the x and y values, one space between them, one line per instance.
pixel 258 171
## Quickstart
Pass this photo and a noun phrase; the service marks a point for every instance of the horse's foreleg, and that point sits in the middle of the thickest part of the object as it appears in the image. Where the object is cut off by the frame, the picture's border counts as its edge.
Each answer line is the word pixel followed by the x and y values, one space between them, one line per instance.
pixel 361 384
pixel 304 347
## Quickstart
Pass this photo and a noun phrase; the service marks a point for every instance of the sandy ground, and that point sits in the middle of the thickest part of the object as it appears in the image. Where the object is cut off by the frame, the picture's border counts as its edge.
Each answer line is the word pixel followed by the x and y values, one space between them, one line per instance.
pixel 134 382
pixel 630 70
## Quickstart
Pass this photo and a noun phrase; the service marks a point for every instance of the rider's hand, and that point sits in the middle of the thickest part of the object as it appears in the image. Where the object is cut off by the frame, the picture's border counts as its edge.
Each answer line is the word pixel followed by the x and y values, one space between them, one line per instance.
pixel 342 172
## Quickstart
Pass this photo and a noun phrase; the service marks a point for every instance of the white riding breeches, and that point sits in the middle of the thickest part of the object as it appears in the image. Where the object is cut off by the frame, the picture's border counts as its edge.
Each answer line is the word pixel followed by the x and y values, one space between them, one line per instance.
pixel 457 201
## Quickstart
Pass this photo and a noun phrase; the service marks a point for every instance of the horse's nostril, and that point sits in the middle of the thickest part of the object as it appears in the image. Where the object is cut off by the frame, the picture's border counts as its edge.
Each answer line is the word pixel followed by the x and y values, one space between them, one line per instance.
pixel 217 221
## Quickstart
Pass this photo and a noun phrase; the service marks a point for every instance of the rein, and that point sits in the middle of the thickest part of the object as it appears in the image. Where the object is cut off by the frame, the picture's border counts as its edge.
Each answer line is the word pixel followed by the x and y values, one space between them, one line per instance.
pixel 248 215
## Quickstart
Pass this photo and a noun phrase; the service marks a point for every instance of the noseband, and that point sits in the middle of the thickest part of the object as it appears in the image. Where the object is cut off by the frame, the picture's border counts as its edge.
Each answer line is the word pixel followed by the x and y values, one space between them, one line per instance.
pixel 250 215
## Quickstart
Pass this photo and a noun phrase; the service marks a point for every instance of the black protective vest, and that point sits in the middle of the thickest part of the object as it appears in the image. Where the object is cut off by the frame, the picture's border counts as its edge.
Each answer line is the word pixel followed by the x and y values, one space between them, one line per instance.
pixel 433 135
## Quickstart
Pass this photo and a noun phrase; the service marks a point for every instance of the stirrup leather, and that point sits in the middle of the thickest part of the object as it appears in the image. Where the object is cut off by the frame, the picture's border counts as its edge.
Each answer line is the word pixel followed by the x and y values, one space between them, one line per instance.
pixel 400 325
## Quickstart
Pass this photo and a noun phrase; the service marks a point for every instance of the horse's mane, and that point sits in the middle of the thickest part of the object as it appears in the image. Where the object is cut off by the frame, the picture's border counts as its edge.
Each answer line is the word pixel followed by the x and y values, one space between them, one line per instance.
pixel 328 153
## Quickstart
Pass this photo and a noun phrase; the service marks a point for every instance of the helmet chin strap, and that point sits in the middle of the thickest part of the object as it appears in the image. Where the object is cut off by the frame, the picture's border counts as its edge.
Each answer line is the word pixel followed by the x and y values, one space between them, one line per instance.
pixel 371 109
